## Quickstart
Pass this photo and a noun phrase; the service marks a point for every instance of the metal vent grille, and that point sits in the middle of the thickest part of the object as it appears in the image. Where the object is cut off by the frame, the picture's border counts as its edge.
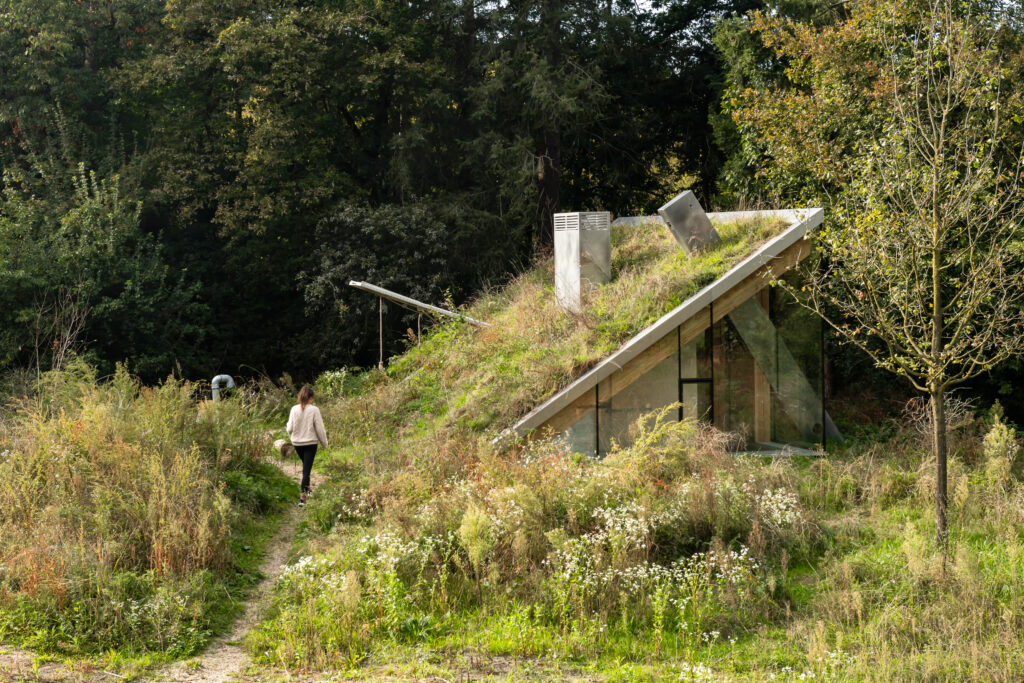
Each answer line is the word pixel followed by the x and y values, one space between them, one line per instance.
pixel 584 220
pixel 582 255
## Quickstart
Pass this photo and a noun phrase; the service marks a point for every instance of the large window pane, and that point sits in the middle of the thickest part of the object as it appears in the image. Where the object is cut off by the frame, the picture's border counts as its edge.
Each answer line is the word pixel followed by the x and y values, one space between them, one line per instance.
pixel 645 384
pixel 695 358
pixel 797 400
pixel 696 400
pixel 695 346
pixel 734 383
pixel 582 436
pixel 767 360
pixel 581 418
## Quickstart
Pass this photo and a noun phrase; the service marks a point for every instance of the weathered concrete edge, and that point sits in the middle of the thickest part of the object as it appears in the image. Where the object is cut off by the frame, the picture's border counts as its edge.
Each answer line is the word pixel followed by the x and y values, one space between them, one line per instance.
pixel 803 220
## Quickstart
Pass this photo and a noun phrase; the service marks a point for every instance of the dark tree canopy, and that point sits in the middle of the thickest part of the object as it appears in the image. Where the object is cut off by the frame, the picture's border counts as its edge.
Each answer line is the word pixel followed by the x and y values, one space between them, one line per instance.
pixel 244 154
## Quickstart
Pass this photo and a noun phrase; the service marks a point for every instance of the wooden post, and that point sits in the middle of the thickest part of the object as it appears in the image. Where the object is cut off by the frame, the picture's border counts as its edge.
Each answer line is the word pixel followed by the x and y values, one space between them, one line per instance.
pixel 762 392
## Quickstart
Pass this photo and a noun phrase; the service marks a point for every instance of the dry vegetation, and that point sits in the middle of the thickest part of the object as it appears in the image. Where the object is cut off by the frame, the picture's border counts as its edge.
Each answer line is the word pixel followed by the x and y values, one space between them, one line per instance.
pixel 668 559
pixel 117 508
pixel 431 551
pixel 472 381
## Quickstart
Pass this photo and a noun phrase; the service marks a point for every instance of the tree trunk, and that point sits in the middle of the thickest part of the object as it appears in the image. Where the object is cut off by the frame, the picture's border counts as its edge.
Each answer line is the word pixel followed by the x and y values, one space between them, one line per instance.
pixel 548 180
pixel 548 183
pixel 939 442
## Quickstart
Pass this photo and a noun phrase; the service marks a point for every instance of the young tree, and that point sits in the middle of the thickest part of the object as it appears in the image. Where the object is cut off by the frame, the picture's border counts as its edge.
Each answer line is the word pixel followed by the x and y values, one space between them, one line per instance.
pixel 922 265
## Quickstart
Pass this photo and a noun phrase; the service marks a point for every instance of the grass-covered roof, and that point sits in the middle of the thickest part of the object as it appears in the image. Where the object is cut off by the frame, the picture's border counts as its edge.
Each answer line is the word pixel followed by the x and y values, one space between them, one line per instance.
pixel 461 377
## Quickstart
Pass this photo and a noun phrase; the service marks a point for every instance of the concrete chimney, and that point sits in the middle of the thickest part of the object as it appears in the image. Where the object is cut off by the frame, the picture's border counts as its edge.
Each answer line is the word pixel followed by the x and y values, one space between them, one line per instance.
pixel 583 255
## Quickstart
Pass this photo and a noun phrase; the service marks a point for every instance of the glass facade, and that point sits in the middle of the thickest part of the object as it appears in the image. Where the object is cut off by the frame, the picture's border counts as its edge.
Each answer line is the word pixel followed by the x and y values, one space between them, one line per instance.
pixel 646 384
pixel 798 411
pixel 734 383
pixel 695 368
pixel 755 371
pixel 581 437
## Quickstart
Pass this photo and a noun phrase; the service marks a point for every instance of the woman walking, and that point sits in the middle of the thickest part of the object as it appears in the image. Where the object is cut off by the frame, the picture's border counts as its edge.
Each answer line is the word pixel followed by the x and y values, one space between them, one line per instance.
pixel 306 429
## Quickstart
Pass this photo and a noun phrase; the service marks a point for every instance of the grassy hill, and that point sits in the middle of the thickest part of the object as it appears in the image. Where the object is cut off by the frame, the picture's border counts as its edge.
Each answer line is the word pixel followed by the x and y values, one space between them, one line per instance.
pixel 434 552
pixel 480 380
pixel 132 520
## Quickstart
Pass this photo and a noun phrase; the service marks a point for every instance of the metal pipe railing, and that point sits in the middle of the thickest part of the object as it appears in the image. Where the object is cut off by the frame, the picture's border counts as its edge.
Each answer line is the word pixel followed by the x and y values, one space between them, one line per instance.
pixel 413 303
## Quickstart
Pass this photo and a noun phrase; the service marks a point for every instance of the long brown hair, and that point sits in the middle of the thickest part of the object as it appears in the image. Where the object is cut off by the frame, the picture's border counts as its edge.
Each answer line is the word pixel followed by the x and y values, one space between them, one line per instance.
pixel 305 396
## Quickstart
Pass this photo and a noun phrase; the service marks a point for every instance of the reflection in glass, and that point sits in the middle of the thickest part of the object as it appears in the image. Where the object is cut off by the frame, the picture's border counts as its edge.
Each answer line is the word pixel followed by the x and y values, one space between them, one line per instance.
pixel 695 357
pixel 622 401
pixel 582 436
pixel 696 400
pixel 797 410
pixel 734 382
pixel 756 373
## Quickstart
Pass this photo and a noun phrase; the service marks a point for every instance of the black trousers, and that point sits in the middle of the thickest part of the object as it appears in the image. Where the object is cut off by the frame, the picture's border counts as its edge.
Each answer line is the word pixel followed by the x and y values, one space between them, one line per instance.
pixel 306 453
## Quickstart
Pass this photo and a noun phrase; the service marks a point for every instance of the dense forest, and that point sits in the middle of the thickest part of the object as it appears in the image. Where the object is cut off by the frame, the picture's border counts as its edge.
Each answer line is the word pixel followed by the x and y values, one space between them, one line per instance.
pixel 189 185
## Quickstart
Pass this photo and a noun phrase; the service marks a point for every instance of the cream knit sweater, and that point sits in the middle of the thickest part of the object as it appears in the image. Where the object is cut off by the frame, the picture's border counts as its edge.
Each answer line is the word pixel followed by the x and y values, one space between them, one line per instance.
pixel 306 427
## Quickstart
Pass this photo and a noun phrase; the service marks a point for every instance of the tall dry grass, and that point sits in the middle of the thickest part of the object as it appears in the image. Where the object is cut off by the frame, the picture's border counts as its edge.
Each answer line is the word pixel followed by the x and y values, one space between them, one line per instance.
pixel 114 510
pixel 790 569
pixel 480 379
pixel 670 540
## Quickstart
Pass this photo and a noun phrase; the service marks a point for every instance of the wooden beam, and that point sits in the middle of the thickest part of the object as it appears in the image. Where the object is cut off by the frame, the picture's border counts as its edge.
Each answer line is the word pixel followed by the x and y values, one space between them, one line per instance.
pixel 760 279
pixel 571 414
pixel 639 366
pixel 762 391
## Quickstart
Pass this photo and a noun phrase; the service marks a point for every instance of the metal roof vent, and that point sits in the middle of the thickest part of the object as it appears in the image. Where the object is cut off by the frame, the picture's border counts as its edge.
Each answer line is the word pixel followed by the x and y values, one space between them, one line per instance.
pixel 583 255
pixel 689 224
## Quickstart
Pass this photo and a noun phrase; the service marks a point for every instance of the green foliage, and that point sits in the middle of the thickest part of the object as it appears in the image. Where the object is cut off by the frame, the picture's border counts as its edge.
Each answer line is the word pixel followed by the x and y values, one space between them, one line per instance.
pixel 129 610
pixel 404 248
pixel 642 555
pixel 330 385
pixel 79 275
pixel 999 450
pixel 475 536
pixel 668 539
pixel 242 126
pixel 752 65
pixel 670 554
pixel 919 264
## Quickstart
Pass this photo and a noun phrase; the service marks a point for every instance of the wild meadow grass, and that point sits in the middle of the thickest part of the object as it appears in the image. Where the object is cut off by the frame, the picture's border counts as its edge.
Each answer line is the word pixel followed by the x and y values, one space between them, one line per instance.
pixel 671 559
pixel 433 545
pixel 120 513
pixel 473 380
pixel 548 553
pixel 130 518
pixel 433 534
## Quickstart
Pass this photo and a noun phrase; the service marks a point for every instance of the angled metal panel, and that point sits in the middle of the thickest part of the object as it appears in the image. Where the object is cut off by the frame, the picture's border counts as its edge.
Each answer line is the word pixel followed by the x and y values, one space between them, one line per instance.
pixel 689 224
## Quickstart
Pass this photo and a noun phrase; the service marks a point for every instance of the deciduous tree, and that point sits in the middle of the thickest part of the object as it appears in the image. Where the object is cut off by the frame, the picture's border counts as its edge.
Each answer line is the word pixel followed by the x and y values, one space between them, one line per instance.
pixel 922 264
